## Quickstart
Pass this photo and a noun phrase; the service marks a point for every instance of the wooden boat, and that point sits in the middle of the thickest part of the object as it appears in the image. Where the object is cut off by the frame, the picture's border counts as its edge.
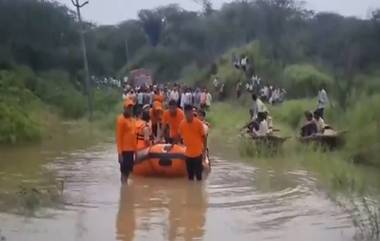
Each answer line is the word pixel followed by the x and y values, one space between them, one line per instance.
pixel 270 139
pixel 330 139
pixel 163 160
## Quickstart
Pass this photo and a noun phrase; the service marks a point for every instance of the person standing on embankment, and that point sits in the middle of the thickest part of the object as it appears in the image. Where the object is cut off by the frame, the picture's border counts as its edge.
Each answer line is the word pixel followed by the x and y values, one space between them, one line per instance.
pixel 126 140
pixel 258 107
pixel 323 100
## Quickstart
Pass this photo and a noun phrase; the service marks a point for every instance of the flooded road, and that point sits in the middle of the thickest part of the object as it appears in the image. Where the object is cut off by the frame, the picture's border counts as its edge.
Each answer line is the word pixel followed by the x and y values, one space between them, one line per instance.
pixel 238 201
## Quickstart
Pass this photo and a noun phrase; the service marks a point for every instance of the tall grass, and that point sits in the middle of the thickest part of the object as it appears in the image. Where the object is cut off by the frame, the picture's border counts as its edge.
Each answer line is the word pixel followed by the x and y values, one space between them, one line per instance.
pixel 28 101
pixel 16 123
pixel 345 182
pixel 363 123
pixel 305 80
pixel 291 113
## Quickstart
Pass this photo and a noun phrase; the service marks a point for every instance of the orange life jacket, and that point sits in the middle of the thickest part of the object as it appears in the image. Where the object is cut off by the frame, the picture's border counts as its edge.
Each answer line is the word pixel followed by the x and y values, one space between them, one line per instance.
pixel 140 129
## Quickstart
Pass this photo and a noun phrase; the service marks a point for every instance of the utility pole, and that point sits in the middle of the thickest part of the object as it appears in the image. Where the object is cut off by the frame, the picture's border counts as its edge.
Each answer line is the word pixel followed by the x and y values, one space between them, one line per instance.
pixel 78 6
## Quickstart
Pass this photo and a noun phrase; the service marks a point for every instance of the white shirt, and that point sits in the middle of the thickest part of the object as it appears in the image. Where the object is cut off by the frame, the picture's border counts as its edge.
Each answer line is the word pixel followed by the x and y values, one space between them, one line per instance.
pixel 183 97
pixel 216 82
pixel 188 98
pixel 320 125
pixel 323 100
pixel 208 99
pixel 266 91
pixel 263 129
pixel 244 61
pixel 140 98
pixel 174 95
pixel 258 106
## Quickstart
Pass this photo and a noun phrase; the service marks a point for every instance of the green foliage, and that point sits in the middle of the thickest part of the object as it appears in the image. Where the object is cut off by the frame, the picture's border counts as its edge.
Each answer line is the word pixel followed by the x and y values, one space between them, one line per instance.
pixel 368 83
pixel 226 123
pixel 16 125
pixel 362 122
pixel 291 112
pixel 16 102
pixel 305 80
pixel 55 88
pixel 105 99
pixel 193 76
pixel 24 96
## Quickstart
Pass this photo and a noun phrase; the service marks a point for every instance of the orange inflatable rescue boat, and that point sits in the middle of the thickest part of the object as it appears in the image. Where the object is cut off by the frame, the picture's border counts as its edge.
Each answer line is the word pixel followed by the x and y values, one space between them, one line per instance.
pixel 163 160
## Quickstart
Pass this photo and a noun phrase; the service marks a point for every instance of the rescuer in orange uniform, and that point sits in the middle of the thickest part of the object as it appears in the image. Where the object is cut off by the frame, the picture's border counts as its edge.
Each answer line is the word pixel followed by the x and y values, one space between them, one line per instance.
pixel 172 119
pixel 193 135
pixel 143 129
pixel 156 113
pixel 126 139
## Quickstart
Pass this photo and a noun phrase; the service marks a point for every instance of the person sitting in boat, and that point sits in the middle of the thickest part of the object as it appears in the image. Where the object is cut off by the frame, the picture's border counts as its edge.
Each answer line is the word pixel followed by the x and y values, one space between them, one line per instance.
pixel 262 124
pixel 310 127
pixel 257 107
pixel 269 120
pixel 156 113
pixel 321 126
pixel 143 129
pixel 171 120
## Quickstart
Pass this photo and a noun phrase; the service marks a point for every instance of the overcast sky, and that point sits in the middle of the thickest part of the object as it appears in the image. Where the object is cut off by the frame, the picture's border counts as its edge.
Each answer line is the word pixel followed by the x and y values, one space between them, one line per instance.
pixel 115 11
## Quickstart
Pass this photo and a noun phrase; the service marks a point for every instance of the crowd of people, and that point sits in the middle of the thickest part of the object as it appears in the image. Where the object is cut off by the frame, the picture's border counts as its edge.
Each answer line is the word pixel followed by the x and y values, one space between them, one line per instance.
pixel 106 82
pixel 154 115
pixel 147 95
pixel 272 94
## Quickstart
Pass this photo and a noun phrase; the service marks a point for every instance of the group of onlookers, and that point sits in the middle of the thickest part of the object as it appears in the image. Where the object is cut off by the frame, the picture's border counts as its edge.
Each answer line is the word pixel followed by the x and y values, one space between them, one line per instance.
pixel 106 82
pixel 146 95
pixel 272 94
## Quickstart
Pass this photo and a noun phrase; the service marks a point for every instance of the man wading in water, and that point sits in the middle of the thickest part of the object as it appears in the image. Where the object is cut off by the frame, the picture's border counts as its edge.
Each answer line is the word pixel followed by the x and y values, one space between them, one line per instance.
pixel 193 135
pixel 126 140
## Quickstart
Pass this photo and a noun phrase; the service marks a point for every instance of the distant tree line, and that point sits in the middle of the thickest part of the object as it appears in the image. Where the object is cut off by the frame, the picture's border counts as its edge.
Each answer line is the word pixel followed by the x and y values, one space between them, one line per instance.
pixel 44 35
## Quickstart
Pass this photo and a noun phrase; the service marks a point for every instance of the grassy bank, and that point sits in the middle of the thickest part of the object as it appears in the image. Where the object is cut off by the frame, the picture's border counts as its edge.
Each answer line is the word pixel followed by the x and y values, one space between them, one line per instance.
pixel 32 103
pixel 353 186
pixel 228 117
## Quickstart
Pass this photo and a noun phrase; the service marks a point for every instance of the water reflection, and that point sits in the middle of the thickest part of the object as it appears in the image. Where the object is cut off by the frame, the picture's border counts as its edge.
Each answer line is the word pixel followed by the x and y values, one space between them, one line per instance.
pixel 174 209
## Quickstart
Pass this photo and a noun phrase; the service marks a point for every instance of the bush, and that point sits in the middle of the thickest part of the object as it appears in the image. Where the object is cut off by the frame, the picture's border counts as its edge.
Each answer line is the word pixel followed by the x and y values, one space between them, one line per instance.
pixel 291 112
pixel 105 99
pixel 15 102
pixel 55 88
pixel 304 80
pixel 265 68
pixel 16 125
pixel 363 138
pixel 194 76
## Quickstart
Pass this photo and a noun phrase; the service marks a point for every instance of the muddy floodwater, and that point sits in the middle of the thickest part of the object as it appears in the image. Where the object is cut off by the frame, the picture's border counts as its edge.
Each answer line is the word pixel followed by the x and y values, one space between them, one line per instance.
pixel 75 193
